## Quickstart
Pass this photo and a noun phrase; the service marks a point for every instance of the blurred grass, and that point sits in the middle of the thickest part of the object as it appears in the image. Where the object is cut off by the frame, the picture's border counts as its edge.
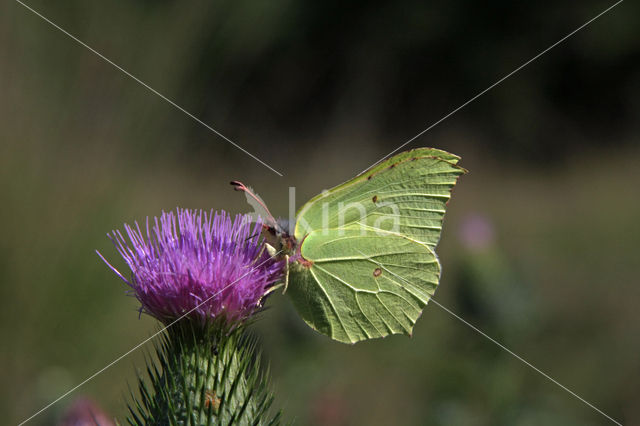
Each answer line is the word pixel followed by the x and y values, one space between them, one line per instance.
pixel 85 149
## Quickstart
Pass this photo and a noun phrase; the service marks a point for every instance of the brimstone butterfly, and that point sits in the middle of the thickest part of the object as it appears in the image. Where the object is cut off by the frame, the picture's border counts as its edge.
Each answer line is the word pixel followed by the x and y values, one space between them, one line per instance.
pixel 361 259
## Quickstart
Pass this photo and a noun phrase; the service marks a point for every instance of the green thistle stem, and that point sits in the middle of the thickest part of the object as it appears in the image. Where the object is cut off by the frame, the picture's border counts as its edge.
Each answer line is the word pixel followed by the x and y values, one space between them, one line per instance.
pixel 204 377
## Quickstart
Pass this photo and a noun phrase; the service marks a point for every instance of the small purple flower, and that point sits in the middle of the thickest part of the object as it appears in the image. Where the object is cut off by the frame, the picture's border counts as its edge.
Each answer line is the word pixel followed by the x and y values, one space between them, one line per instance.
pixel 476 232
pixel 201 265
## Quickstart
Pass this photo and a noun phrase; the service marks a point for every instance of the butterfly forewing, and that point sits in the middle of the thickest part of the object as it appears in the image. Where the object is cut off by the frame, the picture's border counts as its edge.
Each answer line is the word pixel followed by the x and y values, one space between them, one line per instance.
pixel 406 195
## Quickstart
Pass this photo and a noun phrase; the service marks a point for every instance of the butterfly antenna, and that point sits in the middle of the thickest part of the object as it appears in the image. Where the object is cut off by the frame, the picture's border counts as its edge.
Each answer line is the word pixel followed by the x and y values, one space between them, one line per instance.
pixel 252 236
pixel 239 186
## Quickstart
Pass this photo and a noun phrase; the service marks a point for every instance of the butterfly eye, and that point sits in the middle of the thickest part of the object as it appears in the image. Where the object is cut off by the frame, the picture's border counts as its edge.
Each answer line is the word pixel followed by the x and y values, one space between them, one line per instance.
pixel 377 272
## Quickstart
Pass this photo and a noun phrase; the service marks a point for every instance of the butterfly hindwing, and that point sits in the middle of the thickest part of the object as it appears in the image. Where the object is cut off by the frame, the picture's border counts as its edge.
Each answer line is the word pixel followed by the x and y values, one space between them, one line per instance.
pixel 362 284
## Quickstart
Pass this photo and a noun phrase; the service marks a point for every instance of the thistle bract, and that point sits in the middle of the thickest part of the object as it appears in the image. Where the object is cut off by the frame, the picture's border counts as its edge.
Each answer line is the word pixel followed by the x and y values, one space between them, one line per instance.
pixel 204 266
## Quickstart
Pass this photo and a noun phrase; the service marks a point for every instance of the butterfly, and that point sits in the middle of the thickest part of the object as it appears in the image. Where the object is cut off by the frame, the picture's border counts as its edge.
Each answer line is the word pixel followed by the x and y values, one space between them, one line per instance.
pixel 360 258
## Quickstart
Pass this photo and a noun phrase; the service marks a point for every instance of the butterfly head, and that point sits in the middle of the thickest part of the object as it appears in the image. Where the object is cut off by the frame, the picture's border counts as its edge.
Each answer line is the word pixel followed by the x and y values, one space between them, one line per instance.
pixel 276 232
pixel 279 236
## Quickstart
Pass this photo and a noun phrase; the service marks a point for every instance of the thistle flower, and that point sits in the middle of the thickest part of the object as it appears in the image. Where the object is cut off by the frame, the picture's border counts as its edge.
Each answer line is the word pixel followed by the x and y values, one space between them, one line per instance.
pixel 202 266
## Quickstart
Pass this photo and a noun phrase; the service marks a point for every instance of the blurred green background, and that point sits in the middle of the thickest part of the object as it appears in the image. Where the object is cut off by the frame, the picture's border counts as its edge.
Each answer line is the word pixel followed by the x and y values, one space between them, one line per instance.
pixel 540 246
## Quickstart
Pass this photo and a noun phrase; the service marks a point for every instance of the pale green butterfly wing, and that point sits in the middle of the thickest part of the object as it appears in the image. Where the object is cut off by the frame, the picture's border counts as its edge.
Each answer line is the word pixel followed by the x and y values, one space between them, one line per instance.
pixel 362 284
pixel 388 217
pixel 406 194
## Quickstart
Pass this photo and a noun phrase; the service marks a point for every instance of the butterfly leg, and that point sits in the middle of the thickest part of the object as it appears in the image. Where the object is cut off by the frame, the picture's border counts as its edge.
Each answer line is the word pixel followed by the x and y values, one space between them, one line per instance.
pixel 286 273
pixel 259 255
pixel 272 252
pixel 268 292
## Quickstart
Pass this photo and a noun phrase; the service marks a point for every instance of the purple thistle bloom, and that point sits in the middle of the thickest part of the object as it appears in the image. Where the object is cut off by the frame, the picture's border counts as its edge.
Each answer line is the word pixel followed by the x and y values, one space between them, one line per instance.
pixel 201 265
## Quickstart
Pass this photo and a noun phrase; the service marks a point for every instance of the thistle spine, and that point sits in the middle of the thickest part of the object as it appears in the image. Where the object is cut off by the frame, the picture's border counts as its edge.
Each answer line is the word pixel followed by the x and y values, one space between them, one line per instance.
pixel 204 377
